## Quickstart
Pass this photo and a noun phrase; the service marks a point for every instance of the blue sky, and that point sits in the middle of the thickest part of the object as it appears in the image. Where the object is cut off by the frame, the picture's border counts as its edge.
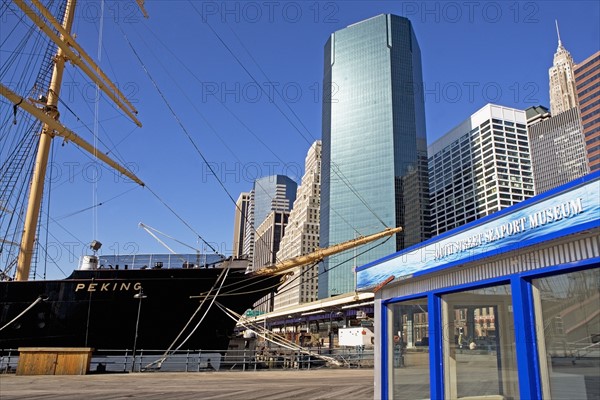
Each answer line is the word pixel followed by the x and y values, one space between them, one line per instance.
pixel 473 53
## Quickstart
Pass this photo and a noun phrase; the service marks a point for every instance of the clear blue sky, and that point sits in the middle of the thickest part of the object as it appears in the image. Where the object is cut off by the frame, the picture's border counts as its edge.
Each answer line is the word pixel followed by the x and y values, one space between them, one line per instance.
pixel 472 53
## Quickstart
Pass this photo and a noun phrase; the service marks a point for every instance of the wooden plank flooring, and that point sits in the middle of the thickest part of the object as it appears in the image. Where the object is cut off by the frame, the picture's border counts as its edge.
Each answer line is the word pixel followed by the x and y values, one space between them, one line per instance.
pixel 265 385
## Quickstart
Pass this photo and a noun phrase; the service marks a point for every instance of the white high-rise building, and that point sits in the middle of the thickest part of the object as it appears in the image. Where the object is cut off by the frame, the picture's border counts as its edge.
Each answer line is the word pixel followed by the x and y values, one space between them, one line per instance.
pixel 248 244
pixel 239 223
pixel 481 166
pixel 563 91
pixel 302 235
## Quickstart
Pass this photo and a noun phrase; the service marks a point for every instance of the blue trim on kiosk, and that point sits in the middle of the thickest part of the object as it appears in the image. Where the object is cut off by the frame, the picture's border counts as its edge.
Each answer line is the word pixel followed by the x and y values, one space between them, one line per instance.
pixel 436 366
pixel 525 339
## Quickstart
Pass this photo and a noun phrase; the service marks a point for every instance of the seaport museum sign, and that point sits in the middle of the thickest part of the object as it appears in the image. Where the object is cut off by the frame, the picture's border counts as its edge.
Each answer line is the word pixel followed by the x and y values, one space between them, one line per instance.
pixel 551 215
pixel 513 227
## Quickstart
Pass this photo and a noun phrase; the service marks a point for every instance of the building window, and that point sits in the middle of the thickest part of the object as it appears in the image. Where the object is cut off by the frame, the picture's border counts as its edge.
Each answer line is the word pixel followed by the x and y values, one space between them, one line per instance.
pixel 408 347
pixel 479 354
pixel 568 334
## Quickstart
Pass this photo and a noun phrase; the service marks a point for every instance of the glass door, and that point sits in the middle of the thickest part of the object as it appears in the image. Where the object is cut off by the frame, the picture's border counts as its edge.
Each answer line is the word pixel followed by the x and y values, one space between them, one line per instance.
pixel 479 344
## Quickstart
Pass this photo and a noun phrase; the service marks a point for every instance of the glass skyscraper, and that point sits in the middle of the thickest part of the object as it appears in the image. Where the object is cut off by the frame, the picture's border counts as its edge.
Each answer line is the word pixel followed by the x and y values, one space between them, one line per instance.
pixel 272 193
pixel 374 144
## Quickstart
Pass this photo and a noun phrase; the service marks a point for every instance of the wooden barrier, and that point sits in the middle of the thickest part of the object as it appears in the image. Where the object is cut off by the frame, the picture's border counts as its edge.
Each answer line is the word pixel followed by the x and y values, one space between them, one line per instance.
pixel 54 360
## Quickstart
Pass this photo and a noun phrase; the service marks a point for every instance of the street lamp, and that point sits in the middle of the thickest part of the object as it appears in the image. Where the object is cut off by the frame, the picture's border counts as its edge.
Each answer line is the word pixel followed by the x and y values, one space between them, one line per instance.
pixel 140 296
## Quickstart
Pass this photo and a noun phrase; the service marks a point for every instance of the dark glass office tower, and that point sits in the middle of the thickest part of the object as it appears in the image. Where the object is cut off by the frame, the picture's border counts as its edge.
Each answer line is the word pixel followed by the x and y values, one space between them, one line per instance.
pixel 374 144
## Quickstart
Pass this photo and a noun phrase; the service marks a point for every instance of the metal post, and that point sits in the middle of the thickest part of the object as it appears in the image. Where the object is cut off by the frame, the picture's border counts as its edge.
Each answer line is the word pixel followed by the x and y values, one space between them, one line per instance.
pixel 330 333
pixel 138 296
pixel 187 360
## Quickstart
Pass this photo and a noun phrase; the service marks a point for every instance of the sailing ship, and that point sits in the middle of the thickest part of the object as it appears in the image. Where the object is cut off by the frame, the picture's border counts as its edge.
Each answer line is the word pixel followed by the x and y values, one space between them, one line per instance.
pixel 98 306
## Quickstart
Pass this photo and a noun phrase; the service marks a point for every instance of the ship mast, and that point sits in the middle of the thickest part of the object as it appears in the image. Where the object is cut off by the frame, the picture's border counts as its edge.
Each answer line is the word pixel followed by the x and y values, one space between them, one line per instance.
pixel 41 162
pixel 68 50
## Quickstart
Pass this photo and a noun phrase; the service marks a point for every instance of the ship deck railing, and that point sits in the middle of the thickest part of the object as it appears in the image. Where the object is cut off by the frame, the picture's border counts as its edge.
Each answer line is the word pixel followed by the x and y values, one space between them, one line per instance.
pixel 122 361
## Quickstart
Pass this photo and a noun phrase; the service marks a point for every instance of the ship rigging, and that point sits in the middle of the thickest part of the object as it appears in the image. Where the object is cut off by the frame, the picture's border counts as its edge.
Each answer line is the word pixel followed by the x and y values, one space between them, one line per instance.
pixel 93 305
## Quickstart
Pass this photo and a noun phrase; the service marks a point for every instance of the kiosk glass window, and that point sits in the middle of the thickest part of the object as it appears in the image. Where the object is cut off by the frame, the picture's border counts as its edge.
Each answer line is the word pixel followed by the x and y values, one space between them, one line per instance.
pixel 568 330
pixel 408 350
pixel 479 344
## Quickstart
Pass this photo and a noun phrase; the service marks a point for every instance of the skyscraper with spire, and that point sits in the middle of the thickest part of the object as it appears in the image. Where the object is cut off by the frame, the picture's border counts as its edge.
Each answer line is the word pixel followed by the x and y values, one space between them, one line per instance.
pixel 557 144
pixel 563 91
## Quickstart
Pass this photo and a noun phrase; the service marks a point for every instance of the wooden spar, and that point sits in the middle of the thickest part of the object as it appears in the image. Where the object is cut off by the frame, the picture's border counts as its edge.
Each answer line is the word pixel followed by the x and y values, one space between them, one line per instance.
pixel 57 129
pixel 319 254
pixel 81 58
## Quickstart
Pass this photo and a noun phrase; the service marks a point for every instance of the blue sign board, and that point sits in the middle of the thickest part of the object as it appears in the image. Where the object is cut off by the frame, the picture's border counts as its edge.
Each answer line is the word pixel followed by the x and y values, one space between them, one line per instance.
pixel 571 208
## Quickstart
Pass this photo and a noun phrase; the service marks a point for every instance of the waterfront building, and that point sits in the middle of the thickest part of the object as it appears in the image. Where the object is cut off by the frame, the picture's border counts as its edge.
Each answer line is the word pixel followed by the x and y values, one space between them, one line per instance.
pixel 239 223
pixel 558 150
pixel 563 92
pixel 373 138
pixel 302 235
pixel 505 307
pixel 481 166
pixel 587 77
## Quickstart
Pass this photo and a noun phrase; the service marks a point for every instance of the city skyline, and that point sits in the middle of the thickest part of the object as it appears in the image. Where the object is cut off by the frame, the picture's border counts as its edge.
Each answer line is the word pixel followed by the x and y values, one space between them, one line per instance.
pixel 455 74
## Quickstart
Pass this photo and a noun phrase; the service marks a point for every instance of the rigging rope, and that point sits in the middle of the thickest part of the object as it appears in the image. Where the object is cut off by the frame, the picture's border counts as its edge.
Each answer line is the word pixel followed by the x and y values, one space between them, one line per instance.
pixel 281 341
pixel 174 114
pixel 222 277
pixel 345 181
pixel 39 299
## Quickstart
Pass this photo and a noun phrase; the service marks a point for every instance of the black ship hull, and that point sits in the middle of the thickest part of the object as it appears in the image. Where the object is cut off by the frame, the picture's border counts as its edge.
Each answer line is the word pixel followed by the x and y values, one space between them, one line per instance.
pixel 97 308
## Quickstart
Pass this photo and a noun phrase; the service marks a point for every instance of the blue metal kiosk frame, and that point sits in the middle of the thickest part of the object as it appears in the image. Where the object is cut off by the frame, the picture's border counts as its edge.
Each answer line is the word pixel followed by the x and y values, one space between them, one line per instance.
pixel 567 210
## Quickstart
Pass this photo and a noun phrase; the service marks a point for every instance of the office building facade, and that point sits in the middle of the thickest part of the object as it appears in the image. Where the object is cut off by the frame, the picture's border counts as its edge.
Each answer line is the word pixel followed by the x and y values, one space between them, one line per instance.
pixel 302 235
pixel 587 77
pixel 270 193
pixel 239 223
pixel 248 247
pixel 558 150
pixel 536 114
pixel 480 167
pixel 268 238
pixel 373 136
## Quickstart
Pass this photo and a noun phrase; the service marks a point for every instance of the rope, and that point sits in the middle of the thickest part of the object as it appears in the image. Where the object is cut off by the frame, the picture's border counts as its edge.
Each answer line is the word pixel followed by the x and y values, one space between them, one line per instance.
pixel 39 299
pixel 222 277
pixel 283 342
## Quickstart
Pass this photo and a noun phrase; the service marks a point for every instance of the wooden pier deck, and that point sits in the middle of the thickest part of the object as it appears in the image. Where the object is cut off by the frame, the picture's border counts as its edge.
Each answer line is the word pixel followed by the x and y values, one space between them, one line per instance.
pixel 265 385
